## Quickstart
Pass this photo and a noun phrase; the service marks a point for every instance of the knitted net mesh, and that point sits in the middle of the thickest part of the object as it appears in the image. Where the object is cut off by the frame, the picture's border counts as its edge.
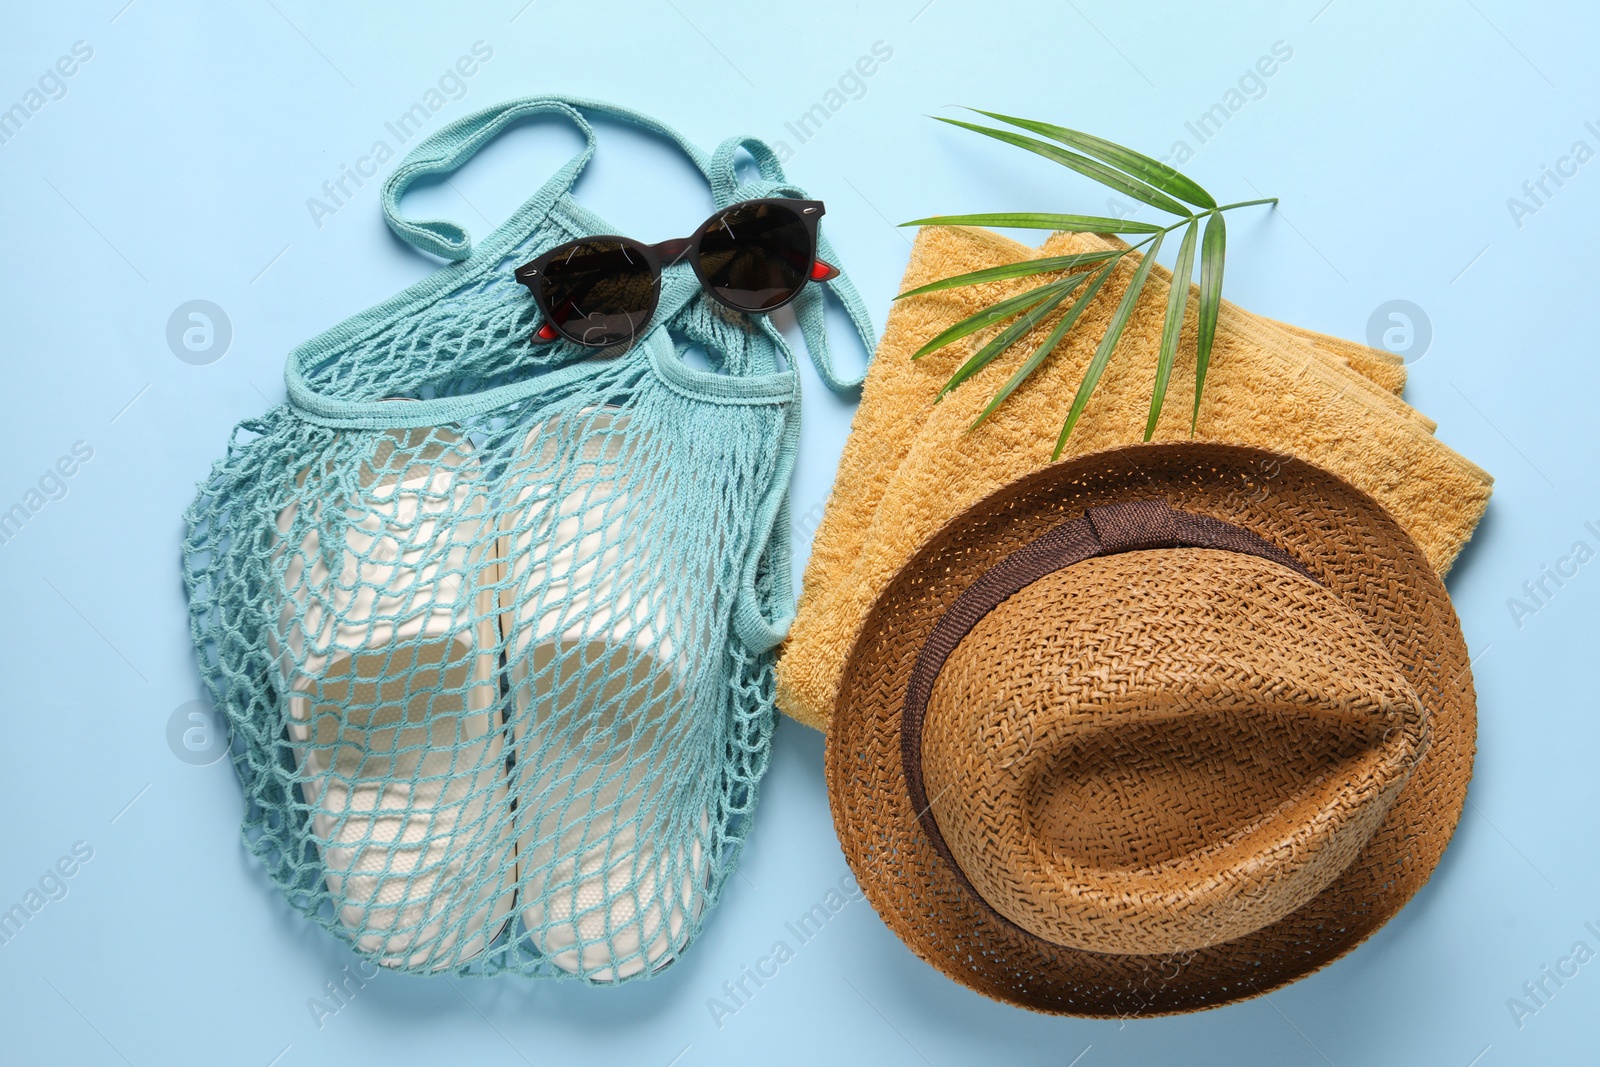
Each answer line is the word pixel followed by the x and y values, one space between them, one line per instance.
pixel 486 702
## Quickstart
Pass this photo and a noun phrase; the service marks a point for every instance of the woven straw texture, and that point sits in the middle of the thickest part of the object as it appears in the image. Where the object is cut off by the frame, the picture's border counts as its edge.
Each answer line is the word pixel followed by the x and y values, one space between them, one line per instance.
pixel 909 464
pixel 1219 774
pixel 1161 751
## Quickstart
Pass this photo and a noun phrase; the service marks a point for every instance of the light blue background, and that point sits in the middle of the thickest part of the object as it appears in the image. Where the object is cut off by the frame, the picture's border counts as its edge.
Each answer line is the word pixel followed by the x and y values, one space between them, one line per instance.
pixel 178 165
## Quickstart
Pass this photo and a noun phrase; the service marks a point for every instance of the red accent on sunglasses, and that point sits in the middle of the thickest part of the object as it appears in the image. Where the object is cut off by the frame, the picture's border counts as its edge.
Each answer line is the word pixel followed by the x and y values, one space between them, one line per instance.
pixel 823 272
pixel 546 332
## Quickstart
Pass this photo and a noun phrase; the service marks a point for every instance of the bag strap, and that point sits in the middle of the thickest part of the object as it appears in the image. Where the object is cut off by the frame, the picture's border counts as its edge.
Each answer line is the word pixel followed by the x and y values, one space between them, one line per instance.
pixel 808 307
pixel 449 148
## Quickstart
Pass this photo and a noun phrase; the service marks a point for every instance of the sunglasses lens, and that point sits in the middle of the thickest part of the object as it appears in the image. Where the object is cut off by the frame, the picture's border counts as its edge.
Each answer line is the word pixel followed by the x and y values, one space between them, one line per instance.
pixel 600 292
pixel 756 257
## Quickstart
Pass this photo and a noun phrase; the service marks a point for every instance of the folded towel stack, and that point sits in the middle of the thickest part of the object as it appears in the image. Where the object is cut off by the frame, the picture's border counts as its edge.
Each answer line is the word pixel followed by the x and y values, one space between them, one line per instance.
pixel 910 464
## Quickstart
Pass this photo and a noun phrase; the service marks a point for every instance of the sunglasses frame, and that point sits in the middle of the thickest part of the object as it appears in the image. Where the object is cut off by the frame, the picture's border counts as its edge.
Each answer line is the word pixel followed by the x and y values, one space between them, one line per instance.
pixel 669 253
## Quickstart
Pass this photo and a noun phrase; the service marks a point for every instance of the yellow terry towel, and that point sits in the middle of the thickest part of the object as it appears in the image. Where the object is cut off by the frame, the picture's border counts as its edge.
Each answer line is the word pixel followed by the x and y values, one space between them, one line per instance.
pixel 909 465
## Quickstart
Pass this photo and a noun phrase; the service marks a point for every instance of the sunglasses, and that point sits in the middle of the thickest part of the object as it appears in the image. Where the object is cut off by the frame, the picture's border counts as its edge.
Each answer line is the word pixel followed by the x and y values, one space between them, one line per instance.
pixel 754 256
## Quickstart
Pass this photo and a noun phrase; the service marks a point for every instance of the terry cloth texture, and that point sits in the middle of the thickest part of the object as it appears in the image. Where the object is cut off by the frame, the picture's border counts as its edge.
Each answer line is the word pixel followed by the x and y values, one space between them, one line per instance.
pixel 910 464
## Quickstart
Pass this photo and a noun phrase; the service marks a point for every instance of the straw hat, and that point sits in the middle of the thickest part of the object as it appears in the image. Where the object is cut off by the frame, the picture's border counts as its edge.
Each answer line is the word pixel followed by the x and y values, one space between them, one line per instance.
pixel 1152 730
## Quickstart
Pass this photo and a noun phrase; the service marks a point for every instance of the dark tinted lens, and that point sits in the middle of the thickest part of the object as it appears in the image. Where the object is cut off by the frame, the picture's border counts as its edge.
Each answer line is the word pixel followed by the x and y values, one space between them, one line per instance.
pixel 755 256
pixel 600 292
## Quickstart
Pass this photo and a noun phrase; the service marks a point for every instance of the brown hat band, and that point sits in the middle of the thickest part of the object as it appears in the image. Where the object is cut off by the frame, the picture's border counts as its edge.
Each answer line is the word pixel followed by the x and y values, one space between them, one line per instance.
pixel 1102 531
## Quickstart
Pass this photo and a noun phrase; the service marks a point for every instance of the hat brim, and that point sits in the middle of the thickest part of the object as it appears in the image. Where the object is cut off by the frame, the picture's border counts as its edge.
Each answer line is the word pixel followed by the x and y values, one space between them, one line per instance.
pixel 1348 542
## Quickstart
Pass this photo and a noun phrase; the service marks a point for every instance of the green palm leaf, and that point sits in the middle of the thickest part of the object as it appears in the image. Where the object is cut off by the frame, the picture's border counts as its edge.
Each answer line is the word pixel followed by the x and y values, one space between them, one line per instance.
pixel 1125 171
pixel 1012 270
pixel 1009 336
pixel 1030 365
pixel 1037 221
pixel 1172 328
pixel 1138 164
pixel 1098 171
pixel 990 315
pixel 1091 375
pixel 1212 251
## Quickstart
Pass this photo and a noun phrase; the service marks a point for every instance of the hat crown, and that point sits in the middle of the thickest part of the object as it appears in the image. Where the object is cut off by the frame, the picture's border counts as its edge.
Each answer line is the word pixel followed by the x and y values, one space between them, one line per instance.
pixel 1164 749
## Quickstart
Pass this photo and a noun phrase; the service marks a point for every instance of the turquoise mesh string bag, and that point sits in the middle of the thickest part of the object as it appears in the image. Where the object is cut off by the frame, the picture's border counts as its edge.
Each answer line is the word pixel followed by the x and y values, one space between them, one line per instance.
pixel 492 623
